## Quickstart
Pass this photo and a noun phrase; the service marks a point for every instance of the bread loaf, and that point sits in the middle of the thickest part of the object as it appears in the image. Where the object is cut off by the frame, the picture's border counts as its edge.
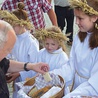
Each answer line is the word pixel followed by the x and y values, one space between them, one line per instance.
pixel 47 77
pixel 40 92
pixel 30 82
pixel 32 91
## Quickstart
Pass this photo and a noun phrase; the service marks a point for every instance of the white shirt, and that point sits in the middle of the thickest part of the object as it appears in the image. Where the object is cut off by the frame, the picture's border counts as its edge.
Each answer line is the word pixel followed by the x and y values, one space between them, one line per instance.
pixel 25 50
pixel 83 65
pixel 55 60
pixel 62 3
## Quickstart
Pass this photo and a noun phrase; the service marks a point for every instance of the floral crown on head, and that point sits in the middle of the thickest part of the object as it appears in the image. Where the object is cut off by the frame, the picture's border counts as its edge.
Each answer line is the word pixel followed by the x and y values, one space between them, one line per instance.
pixel 13 20
pixel 42 34
pixel 84 6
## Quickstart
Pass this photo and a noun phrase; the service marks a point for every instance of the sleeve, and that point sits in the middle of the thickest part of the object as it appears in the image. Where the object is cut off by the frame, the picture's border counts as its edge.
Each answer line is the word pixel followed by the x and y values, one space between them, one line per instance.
pixel 94 76
pixel 32 53
pixel 85 89
pixel 63 59
pixel 67 71
pixel 39 55
pixel 46 6
pixel 3 7
pixel 89 87
pixel 4 64
pixel 27 74
pixel 8 5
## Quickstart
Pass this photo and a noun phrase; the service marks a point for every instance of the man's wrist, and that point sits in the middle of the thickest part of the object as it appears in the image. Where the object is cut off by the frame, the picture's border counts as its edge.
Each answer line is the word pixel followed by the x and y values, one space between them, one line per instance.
pixel 25 66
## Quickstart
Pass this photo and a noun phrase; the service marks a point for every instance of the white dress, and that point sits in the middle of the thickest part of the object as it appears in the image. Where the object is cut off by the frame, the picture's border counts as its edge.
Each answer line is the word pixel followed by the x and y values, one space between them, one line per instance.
pixel 55 59
pixel 25 50
pixel 82 67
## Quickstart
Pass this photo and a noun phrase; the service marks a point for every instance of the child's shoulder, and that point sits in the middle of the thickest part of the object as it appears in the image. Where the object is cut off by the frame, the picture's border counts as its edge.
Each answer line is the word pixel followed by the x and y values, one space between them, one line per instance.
pixel 42 50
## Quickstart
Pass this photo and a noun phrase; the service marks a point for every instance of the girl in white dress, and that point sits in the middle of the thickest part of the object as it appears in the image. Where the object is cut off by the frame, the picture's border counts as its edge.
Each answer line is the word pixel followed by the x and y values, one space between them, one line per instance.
pixel 82 66
pixel 26 46
pixel 53 52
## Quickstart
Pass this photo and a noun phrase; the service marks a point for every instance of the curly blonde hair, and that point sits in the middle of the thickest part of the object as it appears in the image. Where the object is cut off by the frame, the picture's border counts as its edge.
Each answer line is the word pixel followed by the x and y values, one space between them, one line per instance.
pixel 53 32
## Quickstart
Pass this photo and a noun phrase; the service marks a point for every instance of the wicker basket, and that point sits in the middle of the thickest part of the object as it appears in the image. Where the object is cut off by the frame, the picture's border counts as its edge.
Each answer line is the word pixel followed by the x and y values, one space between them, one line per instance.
pixel 40 92
pixel 61 93
pixel 30 82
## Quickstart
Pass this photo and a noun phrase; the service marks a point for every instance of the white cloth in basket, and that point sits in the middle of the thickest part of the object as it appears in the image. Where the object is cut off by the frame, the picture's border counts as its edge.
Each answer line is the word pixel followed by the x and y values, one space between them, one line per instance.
pixel 51 92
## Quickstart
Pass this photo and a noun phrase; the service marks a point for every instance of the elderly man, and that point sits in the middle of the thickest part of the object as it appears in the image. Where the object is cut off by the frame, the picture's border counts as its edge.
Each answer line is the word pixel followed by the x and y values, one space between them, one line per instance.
pixel 7 41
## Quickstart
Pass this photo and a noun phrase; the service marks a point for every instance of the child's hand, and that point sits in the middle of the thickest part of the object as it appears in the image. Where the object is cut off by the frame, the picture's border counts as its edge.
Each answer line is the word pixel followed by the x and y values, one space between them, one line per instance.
pixel 11 77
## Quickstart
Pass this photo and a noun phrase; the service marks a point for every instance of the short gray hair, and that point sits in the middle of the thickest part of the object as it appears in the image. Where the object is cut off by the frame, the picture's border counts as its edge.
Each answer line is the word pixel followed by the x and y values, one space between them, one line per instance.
pixel 4 28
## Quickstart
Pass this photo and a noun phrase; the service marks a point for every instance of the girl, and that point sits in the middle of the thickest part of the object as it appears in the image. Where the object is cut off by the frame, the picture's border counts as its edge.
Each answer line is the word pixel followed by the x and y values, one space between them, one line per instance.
pixel 82 67
pixel 26 46
pixel 53 53
pixel 54 47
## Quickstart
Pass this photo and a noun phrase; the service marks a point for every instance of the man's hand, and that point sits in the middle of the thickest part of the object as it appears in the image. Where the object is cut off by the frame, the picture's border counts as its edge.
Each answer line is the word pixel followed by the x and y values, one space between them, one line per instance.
pixel 40 67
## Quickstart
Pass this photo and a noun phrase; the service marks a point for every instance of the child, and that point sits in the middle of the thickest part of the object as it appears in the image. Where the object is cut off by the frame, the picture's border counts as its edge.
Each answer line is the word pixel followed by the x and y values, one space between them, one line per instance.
pixel 82 67
pixel 26 46
pixel 53 52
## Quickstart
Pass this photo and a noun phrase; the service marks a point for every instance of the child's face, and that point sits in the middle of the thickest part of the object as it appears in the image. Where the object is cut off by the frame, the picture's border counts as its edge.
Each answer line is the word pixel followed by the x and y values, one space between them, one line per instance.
pixel 19 29
pixel 51 45
pixel 84 22
pixel 16 29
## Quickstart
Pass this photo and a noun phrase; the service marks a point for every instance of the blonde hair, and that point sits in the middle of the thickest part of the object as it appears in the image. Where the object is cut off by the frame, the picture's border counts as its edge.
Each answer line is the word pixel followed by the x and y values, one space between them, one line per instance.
pixel 53 32
pixel 17 17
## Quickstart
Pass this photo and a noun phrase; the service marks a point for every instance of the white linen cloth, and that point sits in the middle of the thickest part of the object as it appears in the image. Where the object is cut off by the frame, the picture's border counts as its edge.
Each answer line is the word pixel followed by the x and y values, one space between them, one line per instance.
pixel 41 83
pixel 55 59
pixel 51 92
